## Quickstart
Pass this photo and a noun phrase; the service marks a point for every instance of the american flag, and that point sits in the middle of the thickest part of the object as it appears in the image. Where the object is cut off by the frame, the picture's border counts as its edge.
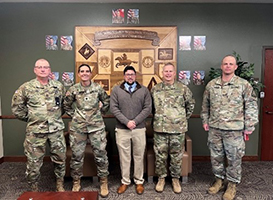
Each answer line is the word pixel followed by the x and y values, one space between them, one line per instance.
pixel 115 11
pixel 48 37
pixel 180 75
pixel 130 13
pixel 68 37
pixel 62 40
pixel 199 42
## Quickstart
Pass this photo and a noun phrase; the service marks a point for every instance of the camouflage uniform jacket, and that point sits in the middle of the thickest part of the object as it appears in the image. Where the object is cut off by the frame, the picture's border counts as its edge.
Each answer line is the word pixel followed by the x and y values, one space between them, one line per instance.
pixel 39 105
pixel 172 106
pixel 232 106
pixel 82 104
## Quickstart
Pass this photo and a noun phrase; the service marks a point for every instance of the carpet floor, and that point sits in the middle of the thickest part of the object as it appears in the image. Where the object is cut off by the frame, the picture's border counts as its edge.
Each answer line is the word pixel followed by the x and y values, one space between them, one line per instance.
pixel 257 183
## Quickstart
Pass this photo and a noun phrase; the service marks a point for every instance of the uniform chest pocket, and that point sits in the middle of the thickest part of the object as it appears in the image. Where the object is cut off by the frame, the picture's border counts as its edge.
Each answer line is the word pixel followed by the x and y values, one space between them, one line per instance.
pixel 35 101
pixel 88 101
pixel 236 96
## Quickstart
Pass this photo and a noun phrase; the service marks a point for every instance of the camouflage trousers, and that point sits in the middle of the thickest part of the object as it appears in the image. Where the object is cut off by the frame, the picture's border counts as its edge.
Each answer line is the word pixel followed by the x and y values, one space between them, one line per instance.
pixel 35 149
pixel 228 145
pixel 168 145
pixel 98 141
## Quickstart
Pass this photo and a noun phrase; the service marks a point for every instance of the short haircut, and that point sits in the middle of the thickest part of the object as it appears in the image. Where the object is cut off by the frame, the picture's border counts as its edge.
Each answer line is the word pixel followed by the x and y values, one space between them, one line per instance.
pixel 128 68
pixel 82 65
pixel 169 63
pixel 230 55
pixel 41 59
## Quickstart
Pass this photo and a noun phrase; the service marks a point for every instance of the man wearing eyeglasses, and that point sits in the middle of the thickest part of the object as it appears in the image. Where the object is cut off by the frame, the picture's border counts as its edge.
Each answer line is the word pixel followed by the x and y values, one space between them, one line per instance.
pixel 39 103
pixel 131 104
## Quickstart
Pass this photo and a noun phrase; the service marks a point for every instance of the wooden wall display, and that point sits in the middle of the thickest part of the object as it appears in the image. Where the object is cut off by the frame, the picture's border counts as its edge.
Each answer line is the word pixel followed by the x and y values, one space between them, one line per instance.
pixel 109 49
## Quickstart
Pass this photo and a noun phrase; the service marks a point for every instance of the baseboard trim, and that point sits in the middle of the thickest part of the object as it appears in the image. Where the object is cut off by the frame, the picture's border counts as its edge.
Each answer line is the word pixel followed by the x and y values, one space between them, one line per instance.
pixel 115 158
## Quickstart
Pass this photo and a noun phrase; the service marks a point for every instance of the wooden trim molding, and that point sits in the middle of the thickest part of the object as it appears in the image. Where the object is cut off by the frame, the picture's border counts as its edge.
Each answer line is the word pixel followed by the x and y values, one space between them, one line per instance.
pixel 67 117
pixel 115 158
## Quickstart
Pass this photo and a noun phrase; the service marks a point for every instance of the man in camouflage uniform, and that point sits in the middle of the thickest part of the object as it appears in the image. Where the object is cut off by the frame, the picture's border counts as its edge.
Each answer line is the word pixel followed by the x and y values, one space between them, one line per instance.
pixel 39 103
pixel 85 102
pixel 173 105
pixel 229 112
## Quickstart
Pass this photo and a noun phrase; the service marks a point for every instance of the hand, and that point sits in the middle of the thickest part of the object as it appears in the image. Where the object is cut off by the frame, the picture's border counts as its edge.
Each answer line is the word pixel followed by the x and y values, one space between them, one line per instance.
pixel 131 124
pixel 246 135
pixel 100 104
pixel 206 127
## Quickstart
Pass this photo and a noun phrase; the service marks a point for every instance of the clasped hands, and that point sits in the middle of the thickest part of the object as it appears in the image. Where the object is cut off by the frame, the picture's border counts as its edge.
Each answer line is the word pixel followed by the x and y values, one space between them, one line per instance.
pixel 131 124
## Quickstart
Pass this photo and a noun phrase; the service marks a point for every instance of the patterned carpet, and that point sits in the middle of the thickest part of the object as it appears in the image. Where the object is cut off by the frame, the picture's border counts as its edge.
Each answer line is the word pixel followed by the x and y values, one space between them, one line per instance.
pixel 257 183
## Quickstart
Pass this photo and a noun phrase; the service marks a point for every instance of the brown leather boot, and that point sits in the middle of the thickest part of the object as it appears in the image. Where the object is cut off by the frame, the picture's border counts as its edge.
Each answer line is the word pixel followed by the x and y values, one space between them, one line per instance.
pixel 218 185
pixel 104 187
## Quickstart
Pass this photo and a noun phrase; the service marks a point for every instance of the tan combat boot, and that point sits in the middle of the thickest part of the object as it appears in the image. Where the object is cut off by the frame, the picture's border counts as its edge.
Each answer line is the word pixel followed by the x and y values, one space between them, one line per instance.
pixel 160 185
pixel 34 187
pixel 76 185
pixel 218 185
pixel 176 185
pixel 104 187
pixel 60 185
pixel 230 192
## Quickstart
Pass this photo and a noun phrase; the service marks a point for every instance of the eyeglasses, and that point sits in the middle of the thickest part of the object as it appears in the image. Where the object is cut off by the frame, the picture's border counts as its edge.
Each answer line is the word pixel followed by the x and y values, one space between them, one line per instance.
pixel 42 67
pixel 130 75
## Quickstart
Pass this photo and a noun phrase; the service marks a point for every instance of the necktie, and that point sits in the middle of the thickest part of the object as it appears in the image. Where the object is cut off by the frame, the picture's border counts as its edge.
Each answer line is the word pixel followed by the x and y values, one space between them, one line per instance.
pixel 130 89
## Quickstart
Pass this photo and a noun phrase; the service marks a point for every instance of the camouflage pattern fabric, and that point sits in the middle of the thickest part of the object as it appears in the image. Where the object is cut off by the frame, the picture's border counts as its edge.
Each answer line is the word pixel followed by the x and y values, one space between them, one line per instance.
pixel 39 105
pixel 229 144
pixel 82 104
pixel 98 141
pixel 172 106
pixel 168 144
pixel 231 106
pixel 35 149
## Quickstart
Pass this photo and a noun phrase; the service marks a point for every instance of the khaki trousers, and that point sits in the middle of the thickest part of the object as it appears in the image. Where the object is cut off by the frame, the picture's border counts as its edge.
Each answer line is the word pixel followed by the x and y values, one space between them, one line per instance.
pixel 136 140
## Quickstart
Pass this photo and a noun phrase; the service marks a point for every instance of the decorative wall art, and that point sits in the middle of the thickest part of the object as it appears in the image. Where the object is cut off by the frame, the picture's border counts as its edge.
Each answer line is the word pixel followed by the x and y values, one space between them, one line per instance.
pixel 184 77
pixel 68 78
pixel 54 76
pixel 198 78
pixel 185 43
pixel 118 16
pixel 51 42
pixel 66 42
pixel 199 43
pixel 133 16
pixel 109 49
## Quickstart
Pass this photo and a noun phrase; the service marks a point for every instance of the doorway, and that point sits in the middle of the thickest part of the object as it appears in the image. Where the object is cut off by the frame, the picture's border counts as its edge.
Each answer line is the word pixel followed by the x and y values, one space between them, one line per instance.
pixel 267 106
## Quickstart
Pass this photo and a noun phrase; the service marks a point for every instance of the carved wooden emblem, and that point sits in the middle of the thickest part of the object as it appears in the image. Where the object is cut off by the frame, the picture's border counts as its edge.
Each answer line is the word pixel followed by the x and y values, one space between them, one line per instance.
pixel 109 49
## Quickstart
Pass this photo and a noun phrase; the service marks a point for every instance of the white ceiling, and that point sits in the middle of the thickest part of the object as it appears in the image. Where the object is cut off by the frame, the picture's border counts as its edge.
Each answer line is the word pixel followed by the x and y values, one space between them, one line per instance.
pixel 138 1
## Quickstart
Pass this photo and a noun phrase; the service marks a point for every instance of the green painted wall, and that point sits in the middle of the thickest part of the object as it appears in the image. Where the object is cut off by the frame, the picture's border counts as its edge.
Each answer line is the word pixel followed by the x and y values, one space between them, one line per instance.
pixel 245 28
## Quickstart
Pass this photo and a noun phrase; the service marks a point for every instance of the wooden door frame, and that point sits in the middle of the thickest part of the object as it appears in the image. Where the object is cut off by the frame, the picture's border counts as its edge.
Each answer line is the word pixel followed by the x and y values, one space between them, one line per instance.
pixel 264 48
